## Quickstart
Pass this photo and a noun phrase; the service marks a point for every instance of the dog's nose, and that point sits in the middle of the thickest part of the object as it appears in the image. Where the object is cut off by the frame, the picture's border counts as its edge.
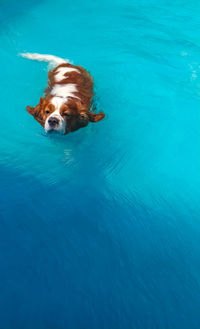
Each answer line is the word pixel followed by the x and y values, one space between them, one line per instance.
pixel 53 121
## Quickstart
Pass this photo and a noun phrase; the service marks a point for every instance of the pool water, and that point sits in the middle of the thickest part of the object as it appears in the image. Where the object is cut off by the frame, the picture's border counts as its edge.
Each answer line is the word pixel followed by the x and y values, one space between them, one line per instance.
pixel 101 228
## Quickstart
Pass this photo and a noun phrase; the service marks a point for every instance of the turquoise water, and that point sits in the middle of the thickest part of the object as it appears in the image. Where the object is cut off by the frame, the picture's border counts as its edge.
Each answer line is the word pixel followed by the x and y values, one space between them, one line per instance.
pixel 101 228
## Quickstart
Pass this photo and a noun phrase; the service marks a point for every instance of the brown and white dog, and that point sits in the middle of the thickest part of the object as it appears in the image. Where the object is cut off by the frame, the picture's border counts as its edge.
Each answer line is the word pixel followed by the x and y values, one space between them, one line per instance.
pixel 66 104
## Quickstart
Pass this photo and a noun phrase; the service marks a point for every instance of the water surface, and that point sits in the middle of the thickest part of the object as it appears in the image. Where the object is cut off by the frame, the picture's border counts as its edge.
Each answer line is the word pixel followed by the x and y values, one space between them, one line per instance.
pixel 101 228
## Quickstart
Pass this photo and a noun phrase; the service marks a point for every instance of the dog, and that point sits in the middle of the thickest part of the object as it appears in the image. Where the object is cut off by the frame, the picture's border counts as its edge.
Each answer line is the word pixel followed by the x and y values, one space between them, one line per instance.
pixel 66 104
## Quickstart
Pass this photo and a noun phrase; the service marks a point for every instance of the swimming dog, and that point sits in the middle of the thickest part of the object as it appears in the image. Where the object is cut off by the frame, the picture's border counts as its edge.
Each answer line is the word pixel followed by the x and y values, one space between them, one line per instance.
pixel 66 104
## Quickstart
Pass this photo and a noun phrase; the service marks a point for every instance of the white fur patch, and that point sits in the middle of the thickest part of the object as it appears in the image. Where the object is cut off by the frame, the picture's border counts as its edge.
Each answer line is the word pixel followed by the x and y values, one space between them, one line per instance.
pixel 61 125
pixel 60 73
pixel 58 102
pixel 61 93
pixel 66 90
pixel 53 60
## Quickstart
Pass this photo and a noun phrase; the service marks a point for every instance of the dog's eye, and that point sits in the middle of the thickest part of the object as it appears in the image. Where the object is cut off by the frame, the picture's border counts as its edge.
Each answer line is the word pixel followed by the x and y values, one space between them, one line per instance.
pixel 47 111
pixel 67 115
pixel 83 117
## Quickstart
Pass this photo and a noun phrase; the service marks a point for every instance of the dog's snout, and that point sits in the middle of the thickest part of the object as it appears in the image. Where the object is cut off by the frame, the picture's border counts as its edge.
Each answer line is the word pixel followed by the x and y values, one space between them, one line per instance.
pixel 53 121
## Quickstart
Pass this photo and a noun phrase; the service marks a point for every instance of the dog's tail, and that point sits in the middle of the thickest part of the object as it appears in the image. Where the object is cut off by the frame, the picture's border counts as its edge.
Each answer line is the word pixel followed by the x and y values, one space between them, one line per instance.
pixel 53 60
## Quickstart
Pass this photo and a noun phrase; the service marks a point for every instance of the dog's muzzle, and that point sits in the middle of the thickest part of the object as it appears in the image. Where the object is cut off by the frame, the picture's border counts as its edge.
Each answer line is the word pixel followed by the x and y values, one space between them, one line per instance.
pixel 53 122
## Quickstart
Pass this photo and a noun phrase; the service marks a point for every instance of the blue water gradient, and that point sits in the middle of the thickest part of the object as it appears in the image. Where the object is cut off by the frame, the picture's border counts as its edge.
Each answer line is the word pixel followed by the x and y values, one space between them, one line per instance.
pixel 101 228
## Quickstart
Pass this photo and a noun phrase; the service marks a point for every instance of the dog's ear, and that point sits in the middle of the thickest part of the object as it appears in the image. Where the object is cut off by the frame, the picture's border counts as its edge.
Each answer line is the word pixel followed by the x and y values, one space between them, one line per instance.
pixel 96 117
pixel 30 109
pixel 41 101
pixel 37 112
pixel 33 110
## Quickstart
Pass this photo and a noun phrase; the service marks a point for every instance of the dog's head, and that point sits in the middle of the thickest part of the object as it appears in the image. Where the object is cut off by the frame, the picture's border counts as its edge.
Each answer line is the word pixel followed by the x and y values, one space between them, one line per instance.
pixel 54 115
